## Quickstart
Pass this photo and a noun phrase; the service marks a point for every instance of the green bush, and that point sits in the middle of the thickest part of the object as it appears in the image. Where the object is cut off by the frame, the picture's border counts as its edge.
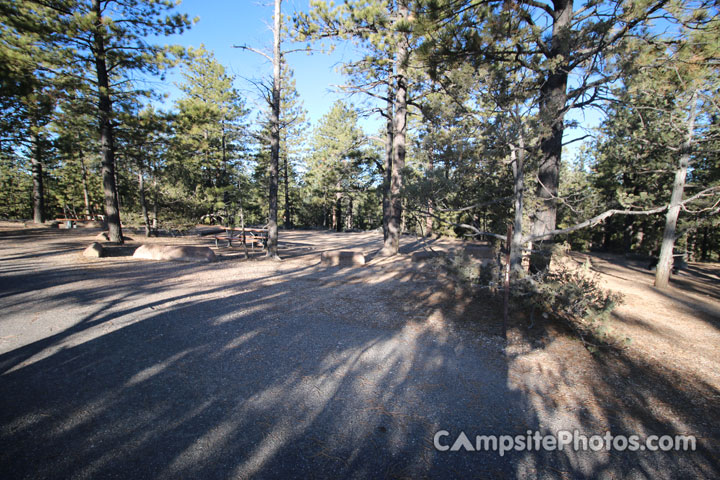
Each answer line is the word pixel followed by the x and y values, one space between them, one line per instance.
pixel 572 295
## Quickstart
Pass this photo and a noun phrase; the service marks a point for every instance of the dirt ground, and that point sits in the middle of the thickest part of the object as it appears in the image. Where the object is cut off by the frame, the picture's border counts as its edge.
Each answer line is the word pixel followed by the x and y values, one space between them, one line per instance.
pixel 116 367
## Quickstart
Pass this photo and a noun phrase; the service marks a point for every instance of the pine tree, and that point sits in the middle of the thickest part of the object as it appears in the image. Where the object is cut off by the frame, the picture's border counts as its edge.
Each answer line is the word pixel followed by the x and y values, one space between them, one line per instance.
pixel 552 41
pixel 106 43
pixel 338 162
pixel 385 31
pixel 293 126
pixel 209 135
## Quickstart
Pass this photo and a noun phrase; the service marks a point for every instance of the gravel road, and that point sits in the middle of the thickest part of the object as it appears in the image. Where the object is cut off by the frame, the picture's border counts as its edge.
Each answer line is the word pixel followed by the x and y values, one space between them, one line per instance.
pixel 118 368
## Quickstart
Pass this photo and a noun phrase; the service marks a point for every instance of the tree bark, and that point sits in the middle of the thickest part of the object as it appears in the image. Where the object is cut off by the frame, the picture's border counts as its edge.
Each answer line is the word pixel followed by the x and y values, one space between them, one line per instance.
pixel 665 262
pixel 553 100
pixel 86 191
pixel 107 146
pixel 38 194
pixel 392 242
pixel 274 139
pixel 387 177
pixel 517 155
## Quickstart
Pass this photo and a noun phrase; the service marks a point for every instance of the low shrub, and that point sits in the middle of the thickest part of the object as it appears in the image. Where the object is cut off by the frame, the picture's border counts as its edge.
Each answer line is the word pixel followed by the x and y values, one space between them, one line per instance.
pixel 572 295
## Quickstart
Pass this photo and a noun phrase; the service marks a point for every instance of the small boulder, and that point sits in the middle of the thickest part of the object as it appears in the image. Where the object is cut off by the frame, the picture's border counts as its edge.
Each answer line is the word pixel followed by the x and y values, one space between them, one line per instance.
pixel 95 250
pixel 342 258
pixel 178 253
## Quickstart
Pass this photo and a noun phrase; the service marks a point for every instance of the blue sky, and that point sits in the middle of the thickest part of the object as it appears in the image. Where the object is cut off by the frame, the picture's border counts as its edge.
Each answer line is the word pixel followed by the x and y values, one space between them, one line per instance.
pixel 223 24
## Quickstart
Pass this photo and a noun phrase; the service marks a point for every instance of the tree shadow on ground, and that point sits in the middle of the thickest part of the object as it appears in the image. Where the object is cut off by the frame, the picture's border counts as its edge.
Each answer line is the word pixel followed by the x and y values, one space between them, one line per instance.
pixel 300 372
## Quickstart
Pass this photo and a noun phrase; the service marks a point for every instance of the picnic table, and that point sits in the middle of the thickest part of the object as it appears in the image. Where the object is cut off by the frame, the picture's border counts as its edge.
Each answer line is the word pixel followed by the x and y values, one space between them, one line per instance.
pixel 252 236
pixel 70 222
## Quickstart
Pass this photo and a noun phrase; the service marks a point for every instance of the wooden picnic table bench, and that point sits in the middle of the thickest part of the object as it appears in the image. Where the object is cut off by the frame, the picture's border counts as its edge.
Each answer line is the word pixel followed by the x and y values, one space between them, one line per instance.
pixel 70 222
pixel 252 236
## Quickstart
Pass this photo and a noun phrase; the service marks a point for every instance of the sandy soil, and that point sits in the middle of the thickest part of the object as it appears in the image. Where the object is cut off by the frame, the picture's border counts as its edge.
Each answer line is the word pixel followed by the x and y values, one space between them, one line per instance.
pixel 239 368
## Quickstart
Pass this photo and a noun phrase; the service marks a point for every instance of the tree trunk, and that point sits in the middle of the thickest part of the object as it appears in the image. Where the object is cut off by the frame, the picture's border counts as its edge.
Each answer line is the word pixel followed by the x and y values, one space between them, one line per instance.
pixel 392 242
pixel 430 203
pixel 517 155
pixel 387 177
pixel 272 243
pixel 705 245
pixel 628 234
pixel 692 244
pixel 349 216
pixel 143 203
pixel 117 184
pixel 86 191
pixel 242 231
pixel 665 262
pixel 155 205
pixel 107 146
pixel 553 100
pixel 337 212
pixel 38 195
pixel 325 213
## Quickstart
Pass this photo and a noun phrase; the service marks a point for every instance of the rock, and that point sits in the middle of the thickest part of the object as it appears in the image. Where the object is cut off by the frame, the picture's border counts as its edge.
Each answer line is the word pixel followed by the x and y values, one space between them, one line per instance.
pixel 342 258
pixel 104 237
pixel 95 250
pixel 178 253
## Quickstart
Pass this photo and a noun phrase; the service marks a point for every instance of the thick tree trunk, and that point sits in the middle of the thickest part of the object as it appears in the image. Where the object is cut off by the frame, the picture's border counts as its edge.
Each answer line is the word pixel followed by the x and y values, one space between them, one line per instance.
pixel 274 139
pixel 387 177
pixel 392 242
pixel 517 155
pixel 665 262
pixel 107 146
pixel 553 100
pixel 38 194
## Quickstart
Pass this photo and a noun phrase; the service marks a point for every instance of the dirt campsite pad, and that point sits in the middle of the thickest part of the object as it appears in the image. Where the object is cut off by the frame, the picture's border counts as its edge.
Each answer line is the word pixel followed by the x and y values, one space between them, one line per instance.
pixel 123 368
